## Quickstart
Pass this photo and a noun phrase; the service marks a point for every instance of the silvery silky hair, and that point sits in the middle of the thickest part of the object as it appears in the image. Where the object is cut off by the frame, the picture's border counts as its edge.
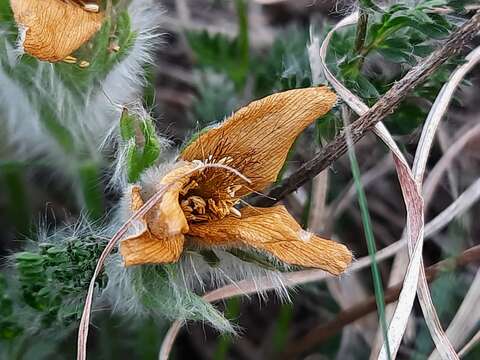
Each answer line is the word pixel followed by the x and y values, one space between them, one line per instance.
pixel 93 119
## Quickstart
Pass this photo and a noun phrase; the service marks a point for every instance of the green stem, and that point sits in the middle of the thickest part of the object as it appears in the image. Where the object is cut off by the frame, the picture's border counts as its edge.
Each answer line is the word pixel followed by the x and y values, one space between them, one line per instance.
pixel 91 189
pixel 18 209
pixel 281 330
pixel 367 225
pixel 361 33
pixel 232 310
pixel 376 42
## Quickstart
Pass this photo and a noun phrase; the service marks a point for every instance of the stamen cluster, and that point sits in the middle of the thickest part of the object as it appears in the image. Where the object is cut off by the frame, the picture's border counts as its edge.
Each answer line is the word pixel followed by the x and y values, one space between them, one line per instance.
pixel 200 206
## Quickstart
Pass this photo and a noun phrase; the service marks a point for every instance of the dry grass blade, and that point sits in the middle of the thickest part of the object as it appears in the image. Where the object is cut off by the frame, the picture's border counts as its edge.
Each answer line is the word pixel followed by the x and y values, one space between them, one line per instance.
pixel 359 309
pixel 412 197
pixel 445 161
pixel 247 287
pixel 439 108
pixel 411 194
pixel 470 345
pixel 436 113
pixel 382 108
pixel 428 133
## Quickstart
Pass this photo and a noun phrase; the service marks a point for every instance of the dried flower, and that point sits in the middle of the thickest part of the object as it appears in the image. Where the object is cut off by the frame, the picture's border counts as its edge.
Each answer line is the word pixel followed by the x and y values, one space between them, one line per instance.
pixel 199 207
pixel 53 29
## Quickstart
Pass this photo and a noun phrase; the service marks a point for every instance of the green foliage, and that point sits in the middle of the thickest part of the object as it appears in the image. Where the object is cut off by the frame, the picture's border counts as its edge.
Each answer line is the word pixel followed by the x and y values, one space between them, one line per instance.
pixel 141 153
pixel 222 54
pixel 52 279
pixel 218 98
pixel 156 288
pixel 9 329
pixel 285 66
pixel 400 35
pixel 327 127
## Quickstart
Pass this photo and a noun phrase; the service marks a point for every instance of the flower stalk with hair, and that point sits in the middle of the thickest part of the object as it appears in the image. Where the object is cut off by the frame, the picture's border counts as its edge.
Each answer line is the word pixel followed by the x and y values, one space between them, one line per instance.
pixel 198 209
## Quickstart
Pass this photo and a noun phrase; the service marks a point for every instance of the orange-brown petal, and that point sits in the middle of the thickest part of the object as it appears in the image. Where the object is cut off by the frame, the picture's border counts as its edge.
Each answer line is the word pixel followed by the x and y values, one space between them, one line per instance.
pixel 167 218
pixel 257 138
pixel 275 231
pixel 54 28
pixel 147 249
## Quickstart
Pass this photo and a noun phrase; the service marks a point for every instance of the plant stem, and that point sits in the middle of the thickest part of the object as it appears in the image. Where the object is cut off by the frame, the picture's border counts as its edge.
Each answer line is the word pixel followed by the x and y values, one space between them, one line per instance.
pixel 232 310
pixel 12 174
pixel 368 229
pixel 281 329
pixel 90 187
pixel 385 106
pixel 361 34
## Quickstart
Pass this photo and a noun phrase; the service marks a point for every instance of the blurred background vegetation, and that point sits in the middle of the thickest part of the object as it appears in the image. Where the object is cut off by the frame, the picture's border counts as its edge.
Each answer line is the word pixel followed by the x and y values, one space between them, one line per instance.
pixel 215 56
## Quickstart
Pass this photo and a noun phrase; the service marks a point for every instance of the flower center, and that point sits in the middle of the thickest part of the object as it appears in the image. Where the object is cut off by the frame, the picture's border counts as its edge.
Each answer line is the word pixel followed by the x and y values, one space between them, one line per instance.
pixel 198 208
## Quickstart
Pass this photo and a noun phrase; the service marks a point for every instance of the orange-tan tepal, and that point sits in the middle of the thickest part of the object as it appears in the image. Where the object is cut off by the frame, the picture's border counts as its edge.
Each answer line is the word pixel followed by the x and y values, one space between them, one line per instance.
pixel 51 30
pixel 198 207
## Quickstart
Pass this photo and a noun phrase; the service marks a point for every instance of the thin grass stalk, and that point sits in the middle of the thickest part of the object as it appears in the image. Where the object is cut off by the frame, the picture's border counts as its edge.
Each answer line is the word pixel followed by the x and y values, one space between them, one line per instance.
pixel 368 230
pixel 247 287
pixel 410 191
pixel 414 204
pixel 147 206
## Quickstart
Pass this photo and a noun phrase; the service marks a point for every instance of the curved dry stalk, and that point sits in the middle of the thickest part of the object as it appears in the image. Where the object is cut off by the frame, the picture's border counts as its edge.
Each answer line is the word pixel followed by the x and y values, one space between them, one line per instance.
pixel 429 187
pixel 85 319
pixel 445 161
pixel 440 106
pixel 337 148
pixel 169 339
pixel 414 204
pixel 384 106
pixel 437 112
pixel 247 287
pixel 359 309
